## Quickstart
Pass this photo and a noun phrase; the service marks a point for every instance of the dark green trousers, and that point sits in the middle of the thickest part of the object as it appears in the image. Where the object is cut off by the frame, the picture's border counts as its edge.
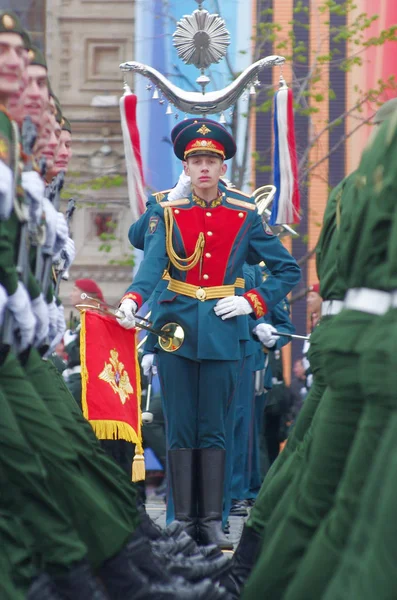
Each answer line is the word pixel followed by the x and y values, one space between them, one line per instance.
pixel 378 376
pixel 8 588
pixel 325 461
pixel 25 492
pixel 97 464
pixel 17 561
pixel 283 470
pixel 84 500
pixel 367 568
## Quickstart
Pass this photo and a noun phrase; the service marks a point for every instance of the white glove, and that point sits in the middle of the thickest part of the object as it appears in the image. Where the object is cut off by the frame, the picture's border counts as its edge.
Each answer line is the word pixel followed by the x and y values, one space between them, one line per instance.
pixel 33 184
pixel 232 306
pixel 147 364
pixel 51 216
pixel 24 319
pixel 182 188
pixel 267 334
pixel 60 330
pixel 68 254
pixel 6 191
pixel 40 311
pixel 62 232
pixel 53 315
pixel 126 313
pixel 3 303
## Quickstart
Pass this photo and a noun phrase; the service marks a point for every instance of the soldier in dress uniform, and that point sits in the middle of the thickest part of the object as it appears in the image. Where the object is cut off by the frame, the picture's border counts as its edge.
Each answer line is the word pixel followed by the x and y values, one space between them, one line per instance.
pixel 206 237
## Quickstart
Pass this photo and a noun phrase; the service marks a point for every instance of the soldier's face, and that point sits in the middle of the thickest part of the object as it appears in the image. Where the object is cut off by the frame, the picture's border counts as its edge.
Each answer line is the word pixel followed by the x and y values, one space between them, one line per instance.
pixel 15 105
pixel 51 147
pixel 36 96
pixel 12 57
pixel 205 171
pixel 48 140
pixel 64 152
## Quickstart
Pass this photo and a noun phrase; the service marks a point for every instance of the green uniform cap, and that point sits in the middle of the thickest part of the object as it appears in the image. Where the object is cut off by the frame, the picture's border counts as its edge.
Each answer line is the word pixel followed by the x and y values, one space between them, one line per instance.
pixel 58 114
pixel 65 124
pixel 385 111
pixel 37 57
pixel 9 23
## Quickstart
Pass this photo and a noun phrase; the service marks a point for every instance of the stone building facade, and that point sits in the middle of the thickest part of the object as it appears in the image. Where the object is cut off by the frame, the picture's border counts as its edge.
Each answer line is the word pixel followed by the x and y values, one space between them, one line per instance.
pixel 85 41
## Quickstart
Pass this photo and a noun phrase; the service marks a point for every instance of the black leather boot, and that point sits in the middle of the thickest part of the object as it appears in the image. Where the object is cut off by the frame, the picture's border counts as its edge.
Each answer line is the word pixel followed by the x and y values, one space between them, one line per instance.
pixel 182 470
pixel 79 584
pixel 163 567
pixel 205 590
pixel 173 539
pixel 124 579
pixel 211 472
pixel 242 562
pixel 43 588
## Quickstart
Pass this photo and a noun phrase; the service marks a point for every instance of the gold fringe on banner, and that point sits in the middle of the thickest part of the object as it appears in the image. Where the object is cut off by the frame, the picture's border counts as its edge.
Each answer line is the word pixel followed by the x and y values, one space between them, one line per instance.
pixel 114 430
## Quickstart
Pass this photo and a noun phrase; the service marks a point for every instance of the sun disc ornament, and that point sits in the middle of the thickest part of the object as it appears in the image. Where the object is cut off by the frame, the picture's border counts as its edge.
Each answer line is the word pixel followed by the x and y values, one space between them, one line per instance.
pixel 201 39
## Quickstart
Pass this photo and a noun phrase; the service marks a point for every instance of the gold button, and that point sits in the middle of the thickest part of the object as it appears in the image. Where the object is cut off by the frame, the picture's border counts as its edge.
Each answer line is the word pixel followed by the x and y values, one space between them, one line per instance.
pixel 208 214
pixel 176 211
pixel 208 255
pixel 209 232
pixel 239 214
pixel 206 276
pixel 201 294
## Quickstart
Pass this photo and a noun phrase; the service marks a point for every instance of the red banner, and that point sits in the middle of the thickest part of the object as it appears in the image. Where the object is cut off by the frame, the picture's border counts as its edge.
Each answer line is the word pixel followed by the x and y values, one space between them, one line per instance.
pixel 111 385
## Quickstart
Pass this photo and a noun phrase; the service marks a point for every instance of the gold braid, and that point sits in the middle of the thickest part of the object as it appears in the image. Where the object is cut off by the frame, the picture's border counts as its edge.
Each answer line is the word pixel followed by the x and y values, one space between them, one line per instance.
pixel 176 260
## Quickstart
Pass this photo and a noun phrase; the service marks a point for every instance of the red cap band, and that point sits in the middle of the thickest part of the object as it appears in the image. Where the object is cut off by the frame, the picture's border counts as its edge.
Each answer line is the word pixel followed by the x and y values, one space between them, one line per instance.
pixel 204 145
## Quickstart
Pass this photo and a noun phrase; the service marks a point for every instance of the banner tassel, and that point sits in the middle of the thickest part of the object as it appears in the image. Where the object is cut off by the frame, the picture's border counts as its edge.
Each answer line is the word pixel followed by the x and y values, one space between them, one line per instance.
pixel 286 203
pixel 138 467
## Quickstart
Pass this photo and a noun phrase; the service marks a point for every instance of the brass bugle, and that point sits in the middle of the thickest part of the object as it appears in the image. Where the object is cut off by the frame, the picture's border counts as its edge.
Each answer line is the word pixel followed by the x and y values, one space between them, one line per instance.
pixel 171 335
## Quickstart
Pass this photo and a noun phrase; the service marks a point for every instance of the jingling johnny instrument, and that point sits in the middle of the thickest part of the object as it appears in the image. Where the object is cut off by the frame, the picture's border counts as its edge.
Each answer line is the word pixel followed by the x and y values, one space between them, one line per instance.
pixel 201 39
pixel 170 336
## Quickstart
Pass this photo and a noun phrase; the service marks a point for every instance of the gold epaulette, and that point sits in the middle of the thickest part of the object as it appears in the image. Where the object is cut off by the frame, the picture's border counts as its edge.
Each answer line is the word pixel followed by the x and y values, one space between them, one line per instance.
pixel 160 195
pixel 236 191
pixel 179 202
pixel 241 203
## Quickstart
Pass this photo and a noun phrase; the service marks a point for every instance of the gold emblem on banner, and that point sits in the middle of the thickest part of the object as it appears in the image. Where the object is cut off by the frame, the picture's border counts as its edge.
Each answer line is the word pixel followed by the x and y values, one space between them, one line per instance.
pixel 115 374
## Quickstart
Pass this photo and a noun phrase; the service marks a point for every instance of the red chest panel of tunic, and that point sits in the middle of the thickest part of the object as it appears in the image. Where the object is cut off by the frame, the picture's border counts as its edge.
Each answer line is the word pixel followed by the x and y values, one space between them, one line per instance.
pixel 220 226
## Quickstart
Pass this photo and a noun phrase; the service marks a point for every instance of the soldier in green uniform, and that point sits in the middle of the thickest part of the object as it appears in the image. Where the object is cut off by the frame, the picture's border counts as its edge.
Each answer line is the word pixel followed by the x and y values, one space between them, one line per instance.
pixel 50 452
pixel 313 502
pixel 274 496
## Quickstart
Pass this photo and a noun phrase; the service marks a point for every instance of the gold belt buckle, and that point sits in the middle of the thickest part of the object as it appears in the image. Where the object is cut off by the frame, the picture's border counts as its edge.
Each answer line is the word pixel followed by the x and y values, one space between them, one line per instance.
pixel 201 294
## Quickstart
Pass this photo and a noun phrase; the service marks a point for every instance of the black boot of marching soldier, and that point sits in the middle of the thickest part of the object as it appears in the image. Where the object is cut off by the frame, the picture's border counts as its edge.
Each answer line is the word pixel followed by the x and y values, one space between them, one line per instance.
pixel 173 539
pixel 79 584
pixel 160 566
pixel 133 575
pixel 42 588
pixel 242 562
pixel 211 471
